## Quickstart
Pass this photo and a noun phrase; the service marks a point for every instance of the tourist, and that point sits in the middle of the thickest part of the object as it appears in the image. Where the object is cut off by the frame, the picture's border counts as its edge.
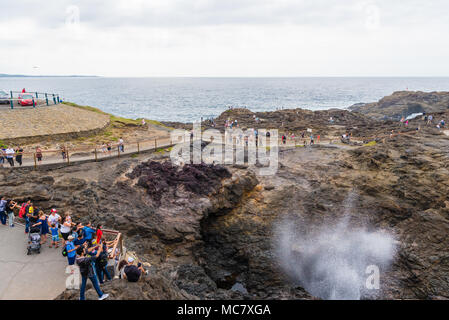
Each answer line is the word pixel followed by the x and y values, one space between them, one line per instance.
pixel 25 210
pixel 284 139
pixel 3 216
pixel 38 154
pixel 99 233
pixel 9 152
pixel 430 119
pixel 131 272
pixel 42 222
pixel 79 241
pixel 10 206
pixel 318 138
pixel 109 147
pixel 88 232
pixel 2 157
pixel 86 270
pixel 121 268
pixel 66 227
pixel 54 236
pixel 63 152
pixel 71 253
pixel 19 155
pixel 102 262
pixel 311 139
pixel 121 145
pixel 54 218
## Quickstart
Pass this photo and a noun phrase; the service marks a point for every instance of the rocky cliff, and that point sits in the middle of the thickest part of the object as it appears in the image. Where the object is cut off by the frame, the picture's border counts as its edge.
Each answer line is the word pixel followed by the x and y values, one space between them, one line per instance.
pixel 312 229
pixel 404 103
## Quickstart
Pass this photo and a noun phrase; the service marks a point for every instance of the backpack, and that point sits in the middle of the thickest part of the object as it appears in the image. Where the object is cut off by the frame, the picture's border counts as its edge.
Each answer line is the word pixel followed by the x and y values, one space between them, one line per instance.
pixel 103 259
pixel 22 210
pixel 64 251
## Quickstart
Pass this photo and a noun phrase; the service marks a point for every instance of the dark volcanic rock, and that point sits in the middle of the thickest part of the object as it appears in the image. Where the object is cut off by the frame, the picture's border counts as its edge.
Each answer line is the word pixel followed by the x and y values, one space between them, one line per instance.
pixel 404 103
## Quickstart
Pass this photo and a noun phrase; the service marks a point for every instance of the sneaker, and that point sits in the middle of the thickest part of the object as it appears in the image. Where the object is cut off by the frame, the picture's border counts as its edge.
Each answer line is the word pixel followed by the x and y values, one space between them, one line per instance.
pixel 104 296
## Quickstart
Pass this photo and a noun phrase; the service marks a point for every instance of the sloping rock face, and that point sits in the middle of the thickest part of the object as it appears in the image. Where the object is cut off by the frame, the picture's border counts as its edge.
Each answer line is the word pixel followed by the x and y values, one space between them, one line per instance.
pixel 404 103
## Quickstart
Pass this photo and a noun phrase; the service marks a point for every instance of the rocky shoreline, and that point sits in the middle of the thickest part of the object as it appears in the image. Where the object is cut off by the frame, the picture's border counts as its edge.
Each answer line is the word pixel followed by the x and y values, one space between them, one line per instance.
pixel 213 232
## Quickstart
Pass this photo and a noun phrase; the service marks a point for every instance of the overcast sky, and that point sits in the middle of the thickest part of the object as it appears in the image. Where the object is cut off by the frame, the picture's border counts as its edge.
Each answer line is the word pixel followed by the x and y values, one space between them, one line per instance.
pixel 225 37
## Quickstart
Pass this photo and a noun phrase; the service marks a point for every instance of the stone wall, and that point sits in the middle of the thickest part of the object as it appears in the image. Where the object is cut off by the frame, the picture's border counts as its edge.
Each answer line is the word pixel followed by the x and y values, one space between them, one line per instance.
pixel 59 120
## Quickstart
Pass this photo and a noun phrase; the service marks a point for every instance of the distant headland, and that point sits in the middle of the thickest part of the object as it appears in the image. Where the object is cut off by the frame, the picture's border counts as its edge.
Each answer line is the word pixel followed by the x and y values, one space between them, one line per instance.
pixel 5 75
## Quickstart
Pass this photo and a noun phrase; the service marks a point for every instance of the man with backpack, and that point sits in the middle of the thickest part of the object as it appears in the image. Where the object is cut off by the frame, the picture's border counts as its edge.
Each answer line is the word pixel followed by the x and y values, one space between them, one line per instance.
pixel 101 264
pixel 87 271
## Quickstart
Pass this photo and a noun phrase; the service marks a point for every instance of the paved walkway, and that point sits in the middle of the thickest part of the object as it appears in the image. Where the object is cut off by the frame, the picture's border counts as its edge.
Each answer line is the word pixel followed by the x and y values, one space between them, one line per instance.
pixel 37 276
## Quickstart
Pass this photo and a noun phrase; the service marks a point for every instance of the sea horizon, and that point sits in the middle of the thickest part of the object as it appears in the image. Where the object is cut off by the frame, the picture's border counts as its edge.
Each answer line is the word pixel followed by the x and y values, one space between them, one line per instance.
pixel 186 99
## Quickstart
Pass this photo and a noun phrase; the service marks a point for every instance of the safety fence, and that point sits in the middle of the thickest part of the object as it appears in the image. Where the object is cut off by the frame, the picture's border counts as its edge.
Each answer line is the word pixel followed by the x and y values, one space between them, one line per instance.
pixel 68 155
pixel 31 99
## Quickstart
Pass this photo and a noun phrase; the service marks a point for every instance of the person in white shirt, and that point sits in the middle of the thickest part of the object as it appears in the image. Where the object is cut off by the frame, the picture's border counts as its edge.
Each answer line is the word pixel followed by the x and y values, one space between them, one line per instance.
pixel 121 145
pixel 10 156
pixel 54 218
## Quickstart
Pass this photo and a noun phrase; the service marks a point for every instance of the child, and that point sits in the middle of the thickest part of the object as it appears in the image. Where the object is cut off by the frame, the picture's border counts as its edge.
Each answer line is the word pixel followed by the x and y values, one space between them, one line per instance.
pixel 54 236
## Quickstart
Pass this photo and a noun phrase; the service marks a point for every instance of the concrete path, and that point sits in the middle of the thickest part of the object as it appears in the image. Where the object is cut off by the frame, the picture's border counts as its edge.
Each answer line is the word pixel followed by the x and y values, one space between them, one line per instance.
pixel 34 277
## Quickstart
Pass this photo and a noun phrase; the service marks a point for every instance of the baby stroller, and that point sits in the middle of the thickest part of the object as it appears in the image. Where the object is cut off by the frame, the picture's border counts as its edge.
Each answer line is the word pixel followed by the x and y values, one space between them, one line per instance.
pixel 34 240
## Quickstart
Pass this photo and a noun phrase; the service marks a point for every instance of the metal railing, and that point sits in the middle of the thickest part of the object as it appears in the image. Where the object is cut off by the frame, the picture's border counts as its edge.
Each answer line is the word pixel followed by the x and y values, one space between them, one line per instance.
pixel 95 153
pixel 38 98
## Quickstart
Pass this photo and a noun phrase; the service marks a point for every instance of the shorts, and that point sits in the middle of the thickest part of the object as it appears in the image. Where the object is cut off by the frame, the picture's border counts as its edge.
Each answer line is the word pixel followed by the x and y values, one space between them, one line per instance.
pixel 55 238
pixel 65 235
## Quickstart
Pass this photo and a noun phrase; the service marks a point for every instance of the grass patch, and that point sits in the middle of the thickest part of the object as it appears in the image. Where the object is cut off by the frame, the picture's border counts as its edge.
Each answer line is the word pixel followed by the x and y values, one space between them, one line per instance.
pixel 370 144
pixel 116 120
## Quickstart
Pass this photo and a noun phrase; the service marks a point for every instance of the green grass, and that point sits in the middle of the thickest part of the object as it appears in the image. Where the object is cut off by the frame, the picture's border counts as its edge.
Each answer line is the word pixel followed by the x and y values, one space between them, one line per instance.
pixel 116 120
pixel 370 144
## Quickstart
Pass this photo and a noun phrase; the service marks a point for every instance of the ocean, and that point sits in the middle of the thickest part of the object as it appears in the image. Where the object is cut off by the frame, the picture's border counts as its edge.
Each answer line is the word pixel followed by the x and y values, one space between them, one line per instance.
pixel 188 99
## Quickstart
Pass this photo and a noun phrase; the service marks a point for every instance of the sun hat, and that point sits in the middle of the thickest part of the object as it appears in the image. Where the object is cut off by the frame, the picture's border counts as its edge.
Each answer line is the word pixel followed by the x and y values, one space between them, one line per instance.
pixel 130 259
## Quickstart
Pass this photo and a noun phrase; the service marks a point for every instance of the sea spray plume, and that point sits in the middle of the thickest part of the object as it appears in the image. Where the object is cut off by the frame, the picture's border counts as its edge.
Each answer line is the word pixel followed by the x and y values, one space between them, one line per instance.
pixel 330 261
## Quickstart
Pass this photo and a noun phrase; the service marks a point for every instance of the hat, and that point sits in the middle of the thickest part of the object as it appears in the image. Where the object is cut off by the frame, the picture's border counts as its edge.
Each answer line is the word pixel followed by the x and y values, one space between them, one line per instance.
pixel 54 210
pixel 70 237
pixel 130 259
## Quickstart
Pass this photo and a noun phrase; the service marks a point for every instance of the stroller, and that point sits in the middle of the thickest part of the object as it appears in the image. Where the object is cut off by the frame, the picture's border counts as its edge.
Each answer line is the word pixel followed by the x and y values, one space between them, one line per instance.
pixel 34 240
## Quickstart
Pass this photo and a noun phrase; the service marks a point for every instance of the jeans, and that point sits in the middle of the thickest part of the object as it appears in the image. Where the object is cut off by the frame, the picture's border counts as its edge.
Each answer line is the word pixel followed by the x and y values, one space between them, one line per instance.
pixel 3 217
pixel 94 281
pixel 101 272
pixel 11 219
pixel 11 161
pixel 27 225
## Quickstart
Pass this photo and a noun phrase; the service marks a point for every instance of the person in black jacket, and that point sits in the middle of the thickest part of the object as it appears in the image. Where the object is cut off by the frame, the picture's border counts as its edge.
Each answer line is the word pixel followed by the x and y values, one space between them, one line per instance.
pixel 87 271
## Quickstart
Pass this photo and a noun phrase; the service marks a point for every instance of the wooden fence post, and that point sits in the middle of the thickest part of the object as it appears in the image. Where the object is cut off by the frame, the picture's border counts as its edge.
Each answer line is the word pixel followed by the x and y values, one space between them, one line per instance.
pixel 138 147
pixel 96 159
pixel 155 143
pixel 35 162
pixel 118 150
pixel 68 156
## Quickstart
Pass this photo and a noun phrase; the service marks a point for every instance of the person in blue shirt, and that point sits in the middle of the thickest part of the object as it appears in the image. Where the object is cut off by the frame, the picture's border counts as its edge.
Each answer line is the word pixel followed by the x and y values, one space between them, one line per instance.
pixel 54 236
pixel 79 241
pixel 71 252
pixel 88 232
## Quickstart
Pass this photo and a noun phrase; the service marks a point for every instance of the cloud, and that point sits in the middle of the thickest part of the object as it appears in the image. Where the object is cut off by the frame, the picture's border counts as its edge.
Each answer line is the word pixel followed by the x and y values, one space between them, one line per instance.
pixel 233 37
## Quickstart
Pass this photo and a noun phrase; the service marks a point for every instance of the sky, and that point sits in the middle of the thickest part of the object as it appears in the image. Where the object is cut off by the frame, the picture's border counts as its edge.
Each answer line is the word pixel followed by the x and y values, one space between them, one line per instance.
pixel 227 38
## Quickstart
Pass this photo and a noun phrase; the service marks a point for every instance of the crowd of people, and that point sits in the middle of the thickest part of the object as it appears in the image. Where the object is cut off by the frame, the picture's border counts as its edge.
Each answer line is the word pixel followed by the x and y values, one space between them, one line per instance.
pixel 83 245
pixel 8 154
